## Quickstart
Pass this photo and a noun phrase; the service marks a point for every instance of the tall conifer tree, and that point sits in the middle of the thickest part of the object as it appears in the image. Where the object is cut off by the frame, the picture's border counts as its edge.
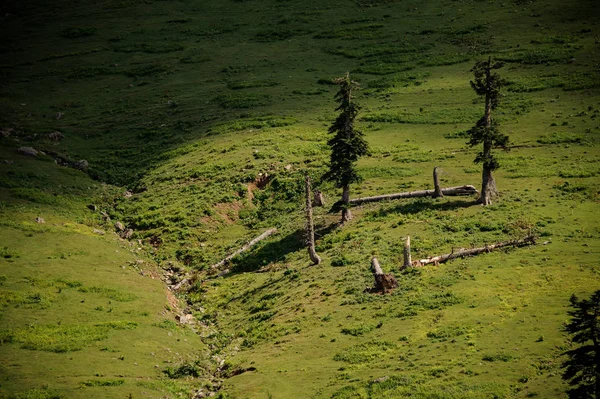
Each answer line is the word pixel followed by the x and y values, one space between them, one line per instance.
pixel 487 83
pixel 582 369
pixel 347 144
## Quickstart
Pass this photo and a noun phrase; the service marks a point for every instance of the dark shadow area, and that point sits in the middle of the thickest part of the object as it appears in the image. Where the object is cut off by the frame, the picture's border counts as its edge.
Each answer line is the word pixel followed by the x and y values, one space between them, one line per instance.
pixel 322 231
pixel 270 252
pixel 422 205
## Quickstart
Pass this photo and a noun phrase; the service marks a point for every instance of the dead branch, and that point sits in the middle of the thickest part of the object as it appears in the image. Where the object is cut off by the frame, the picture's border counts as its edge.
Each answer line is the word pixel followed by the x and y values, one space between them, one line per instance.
pixel 529 240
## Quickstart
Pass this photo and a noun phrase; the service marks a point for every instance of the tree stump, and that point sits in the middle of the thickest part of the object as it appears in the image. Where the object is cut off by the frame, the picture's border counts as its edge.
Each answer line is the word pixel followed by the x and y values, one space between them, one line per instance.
pixel 437 191
pixel 407 258
pixel 384 282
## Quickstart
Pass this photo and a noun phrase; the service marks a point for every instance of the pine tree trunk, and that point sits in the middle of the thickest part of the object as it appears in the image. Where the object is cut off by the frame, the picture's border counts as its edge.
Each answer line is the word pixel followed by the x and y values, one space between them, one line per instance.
pixel 436 184
pixel 346 214
pixel 310 231
pixel 488 187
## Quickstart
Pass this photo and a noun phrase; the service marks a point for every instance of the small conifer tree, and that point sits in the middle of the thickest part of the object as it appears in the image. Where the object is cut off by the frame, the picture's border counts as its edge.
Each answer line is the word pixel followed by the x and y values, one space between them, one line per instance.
pixel 582 369
pixel 488 84
pixel 347 144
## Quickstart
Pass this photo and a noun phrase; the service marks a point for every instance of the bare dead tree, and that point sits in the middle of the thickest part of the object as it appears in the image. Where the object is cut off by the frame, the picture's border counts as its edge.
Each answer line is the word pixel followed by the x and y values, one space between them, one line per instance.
pixel 310 231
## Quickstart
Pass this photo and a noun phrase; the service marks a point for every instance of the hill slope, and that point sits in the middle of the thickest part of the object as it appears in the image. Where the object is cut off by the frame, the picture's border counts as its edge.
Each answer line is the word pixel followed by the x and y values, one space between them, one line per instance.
pixel 189 105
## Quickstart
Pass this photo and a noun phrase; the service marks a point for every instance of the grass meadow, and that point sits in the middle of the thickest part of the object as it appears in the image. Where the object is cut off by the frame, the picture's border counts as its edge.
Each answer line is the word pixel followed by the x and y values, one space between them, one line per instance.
pixel 182 107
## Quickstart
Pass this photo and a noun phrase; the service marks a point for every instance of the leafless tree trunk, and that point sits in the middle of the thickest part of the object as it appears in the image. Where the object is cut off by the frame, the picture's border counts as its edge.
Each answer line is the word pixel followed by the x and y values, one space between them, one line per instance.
pixel 407 258
pixel 450 191
pixel 437 191
pixel 346 214
pixel 475 251
pixel 310 231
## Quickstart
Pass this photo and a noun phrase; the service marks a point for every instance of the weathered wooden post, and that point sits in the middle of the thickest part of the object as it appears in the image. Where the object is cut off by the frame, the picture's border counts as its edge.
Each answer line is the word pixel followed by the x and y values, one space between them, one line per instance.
pixel 407 259
pixel 310 231
pixel 437 193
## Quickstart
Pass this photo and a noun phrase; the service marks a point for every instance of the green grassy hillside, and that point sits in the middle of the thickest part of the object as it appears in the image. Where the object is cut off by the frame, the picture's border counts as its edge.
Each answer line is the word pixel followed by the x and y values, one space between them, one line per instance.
pixel 187 105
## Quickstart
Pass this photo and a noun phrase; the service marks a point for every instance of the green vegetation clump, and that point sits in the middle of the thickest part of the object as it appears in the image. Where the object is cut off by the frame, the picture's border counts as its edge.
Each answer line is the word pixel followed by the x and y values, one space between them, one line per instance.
pixel 364 353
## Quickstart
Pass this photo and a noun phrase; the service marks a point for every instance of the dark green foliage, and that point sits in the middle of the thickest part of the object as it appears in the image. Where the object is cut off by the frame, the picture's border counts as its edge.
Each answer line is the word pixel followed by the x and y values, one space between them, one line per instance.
pixel 347 144
pixel 76 32
pixel 102 383
pixel 244 100
pixel 487 84
pixel 582 369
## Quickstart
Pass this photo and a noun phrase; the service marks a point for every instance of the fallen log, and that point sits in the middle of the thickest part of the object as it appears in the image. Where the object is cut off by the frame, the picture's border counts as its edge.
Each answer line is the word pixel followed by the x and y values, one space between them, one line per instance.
pixel 450 191
pixel 529 240
pixel 384 282
pixel 244 248
pixel 310 231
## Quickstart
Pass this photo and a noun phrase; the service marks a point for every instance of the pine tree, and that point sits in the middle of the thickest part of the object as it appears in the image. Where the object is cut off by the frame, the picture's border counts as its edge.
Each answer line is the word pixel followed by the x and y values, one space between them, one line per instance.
pixel 582 369
pixel 347 145
pixel 488 84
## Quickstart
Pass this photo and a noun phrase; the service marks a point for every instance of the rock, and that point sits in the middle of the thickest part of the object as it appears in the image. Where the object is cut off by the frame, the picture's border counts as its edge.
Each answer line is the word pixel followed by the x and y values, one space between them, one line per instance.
pixel 119 226
pixel 127 234
pixel 81 165
pixel 288 167
pixel 223 273
pixel 100 232
pixel 92 207
pixel 56 136
pixel 184 319
pixel 127 194
pixel 318 200
pixel 58 115
pixel 39 220
pixel 8 162
pixel 381 379
pixel 6 132
pixel 28 151
pixel 105 216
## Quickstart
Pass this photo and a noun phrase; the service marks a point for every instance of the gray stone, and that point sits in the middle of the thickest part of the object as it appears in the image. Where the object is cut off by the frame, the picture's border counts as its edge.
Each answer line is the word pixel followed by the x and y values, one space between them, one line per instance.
pixel 81 165
pixel 100 232
pixel 6 132
pixel 39 220
pixel 28 151
pixel 127 234
pixel 185 319
pixel 58 115
pixel 119 226
pixel 56 136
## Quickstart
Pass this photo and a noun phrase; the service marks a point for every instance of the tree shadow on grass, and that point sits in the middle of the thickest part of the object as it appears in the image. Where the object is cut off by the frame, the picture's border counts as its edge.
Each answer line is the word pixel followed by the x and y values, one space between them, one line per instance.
pixel 275 251
pixel 423 204
pixel 272 251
